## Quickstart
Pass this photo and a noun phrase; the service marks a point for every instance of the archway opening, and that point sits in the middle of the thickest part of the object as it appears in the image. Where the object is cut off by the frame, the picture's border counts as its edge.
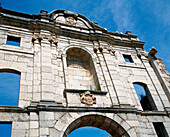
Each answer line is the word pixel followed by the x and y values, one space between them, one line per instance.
pixel 9 87
pixel 81 71
pixel 108 125
pixel 89 131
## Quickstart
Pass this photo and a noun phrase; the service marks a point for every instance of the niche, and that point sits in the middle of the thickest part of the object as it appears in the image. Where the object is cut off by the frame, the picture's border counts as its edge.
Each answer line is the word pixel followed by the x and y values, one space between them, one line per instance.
pixel 81 73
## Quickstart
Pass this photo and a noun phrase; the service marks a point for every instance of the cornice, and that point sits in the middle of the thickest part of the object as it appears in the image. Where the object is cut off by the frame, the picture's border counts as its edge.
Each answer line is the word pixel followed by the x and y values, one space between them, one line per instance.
pixel 37 22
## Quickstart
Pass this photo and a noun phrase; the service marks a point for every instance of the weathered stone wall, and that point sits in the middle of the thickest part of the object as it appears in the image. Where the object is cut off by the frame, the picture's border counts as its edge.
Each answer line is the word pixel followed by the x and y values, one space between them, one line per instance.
pixel 56 71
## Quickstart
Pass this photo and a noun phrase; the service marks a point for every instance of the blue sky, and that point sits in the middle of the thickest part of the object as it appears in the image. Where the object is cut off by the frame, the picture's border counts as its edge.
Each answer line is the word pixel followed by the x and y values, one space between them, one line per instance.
pixel 88 132
pixel 9 89
pixel 149 19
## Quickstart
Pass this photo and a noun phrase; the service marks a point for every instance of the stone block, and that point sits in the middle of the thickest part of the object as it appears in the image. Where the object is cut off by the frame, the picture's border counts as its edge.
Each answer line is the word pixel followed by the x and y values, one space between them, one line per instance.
pixel 46 115
pixel 20 125
pixel 34 132
pixel 34 124
pixel 44 131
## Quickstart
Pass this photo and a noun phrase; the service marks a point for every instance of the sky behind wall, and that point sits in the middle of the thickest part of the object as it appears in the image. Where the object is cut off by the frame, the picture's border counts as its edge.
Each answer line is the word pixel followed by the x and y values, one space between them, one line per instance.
pixel 149 19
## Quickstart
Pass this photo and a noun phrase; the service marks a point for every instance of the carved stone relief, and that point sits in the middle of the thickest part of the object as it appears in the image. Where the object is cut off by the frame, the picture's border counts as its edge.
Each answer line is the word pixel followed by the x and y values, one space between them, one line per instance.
pixel 70 21
pixel 87 98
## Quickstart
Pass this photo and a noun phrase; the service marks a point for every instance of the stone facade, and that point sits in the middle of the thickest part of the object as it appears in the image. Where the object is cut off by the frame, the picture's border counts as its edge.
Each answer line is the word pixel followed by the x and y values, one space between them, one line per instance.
pixel 73 74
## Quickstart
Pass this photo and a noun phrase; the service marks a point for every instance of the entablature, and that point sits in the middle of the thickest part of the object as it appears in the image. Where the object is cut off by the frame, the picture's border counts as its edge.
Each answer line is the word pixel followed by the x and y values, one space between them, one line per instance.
pixel 70 24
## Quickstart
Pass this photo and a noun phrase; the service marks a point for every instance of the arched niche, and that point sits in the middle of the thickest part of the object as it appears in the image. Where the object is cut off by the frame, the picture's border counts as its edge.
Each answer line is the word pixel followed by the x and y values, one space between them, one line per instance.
pixel 144 96
pixel 101 122
pixel 9 87
pixel 80 72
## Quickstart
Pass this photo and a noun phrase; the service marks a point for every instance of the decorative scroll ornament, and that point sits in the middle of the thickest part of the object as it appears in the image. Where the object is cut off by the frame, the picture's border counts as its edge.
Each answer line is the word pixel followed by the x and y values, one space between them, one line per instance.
pixel 70 21
pixel 87 98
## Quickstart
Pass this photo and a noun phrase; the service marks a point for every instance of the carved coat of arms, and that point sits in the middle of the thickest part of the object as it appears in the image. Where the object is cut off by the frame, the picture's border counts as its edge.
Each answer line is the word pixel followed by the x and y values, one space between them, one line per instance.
pixel 70 21
pixel 87 98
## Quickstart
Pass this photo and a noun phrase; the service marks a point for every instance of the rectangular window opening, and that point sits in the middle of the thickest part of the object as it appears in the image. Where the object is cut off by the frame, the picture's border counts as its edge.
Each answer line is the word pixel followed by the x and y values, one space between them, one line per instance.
pixel 128 58
pixel 160 129
pixel 5 129
pixel 14 41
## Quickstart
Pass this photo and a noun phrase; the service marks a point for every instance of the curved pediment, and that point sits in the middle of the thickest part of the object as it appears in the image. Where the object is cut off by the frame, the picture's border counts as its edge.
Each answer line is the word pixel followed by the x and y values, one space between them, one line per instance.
pixel 72 19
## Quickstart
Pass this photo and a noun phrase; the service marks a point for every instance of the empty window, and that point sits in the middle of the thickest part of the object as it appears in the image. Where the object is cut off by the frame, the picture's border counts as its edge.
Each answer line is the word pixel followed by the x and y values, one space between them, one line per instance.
pixel 144 96
pixel 160 129
pixel 9 88
pixel 14 41
pixel 128 58
pixel 5 129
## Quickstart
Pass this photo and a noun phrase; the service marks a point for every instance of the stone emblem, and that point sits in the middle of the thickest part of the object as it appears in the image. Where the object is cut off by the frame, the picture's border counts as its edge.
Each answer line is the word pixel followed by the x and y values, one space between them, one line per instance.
pixel 87 98
pixel 70 21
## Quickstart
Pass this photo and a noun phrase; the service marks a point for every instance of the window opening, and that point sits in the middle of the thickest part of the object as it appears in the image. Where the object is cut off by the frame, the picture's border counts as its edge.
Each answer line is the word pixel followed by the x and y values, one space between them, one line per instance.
pixel 9 88
pixel 5 129
pixel 160 129
pixel 14 41
pixel 128 58
pixel 144 96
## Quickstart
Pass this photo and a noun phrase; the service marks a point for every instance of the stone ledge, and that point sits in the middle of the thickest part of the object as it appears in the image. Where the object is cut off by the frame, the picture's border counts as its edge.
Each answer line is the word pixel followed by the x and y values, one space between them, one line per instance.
pixel 82 91
pixel 59 108
pixel 11 109
pixel 131 66
pixel 157 113
pixel 16 50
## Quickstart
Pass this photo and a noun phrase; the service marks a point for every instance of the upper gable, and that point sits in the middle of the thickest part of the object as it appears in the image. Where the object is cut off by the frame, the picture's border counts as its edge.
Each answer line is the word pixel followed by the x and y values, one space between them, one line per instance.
pixel 71 18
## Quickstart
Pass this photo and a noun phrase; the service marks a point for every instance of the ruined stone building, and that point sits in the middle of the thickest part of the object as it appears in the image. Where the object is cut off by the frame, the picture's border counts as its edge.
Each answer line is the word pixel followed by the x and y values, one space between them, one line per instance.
pixel 74 73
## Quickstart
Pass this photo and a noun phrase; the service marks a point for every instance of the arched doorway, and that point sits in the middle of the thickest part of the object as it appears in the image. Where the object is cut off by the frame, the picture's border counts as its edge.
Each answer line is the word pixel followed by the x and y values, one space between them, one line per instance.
pixel 98 121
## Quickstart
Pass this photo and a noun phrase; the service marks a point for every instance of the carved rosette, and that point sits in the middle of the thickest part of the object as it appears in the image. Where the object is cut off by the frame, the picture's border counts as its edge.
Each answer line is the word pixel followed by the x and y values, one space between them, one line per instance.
pixel 70 21
pixel 87 98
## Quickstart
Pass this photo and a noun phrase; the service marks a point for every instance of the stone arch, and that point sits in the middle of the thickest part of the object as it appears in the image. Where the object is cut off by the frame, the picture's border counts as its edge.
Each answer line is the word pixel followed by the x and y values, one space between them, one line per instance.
pixel 83 48
pixel 10 71
pixel 79 69
pixel 114 125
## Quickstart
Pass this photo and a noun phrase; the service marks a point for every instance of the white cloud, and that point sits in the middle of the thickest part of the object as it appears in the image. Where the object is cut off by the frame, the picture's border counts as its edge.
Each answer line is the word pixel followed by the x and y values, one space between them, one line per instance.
pixel 122 15
pixel 162 11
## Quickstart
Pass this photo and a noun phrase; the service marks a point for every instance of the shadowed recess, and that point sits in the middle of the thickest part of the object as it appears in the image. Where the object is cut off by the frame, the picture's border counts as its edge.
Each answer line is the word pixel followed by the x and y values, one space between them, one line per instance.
pixel 81 70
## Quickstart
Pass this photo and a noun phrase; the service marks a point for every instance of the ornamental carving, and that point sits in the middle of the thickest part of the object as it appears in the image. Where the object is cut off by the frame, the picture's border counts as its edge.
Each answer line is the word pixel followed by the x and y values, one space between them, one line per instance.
pixel 87 98
pixel 70 21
